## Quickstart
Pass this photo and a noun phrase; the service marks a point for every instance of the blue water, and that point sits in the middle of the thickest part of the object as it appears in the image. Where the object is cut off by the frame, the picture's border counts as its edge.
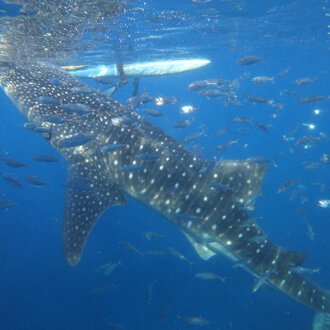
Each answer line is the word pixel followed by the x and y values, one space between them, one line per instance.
pixel 39 290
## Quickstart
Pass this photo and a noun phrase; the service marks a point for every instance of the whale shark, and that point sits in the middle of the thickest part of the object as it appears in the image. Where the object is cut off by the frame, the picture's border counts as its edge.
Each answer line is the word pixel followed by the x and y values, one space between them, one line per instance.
pixel 154 168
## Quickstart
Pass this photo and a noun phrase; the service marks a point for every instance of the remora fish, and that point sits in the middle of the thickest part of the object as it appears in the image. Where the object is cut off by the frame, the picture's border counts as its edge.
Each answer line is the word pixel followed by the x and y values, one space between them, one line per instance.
pixel 174 185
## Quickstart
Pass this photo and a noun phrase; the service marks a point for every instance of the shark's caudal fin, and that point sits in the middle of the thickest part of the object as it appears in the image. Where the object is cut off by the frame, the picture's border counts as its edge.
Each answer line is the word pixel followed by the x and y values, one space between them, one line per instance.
pixel 238 184
pixel 89 194
pixel 302 289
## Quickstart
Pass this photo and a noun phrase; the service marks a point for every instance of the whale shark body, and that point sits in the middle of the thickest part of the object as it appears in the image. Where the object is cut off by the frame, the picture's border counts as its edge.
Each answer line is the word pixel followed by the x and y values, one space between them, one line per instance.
pixel 174 182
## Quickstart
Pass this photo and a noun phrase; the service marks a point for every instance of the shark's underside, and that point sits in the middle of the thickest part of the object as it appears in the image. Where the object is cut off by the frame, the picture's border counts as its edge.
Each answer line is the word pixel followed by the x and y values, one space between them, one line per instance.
pixel 176 183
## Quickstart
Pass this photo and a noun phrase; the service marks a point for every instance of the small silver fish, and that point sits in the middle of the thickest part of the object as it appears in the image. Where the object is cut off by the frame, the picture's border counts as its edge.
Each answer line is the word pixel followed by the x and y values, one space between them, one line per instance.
pixel 258 239
pixel 188 217
pixel 78 108
pixel 132 168
pixel 112 267
pixel 241 262
pixel 47 100
pixel 33 127
pixel 111 147
pixel 75 140
pixel 13 182
pixel 194 320
pixel 149 291
pixel 151 234
pixel 305 271
pixel 250 59
pixel 77 185
pixel 13 163
pixel 179 255
pixel 219 186
pixel 261 281
pixel 210 276
pixel 45 158
pixel 35 181
pixel 53 119
pixel 7 204
pixel 147 157
pixel 131 247
pixel 100 290
pixel 123 121
pixel 262 79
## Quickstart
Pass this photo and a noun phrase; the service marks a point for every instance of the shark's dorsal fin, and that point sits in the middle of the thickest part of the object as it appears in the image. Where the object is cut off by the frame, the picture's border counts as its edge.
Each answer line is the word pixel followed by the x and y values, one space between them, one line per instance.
pixel 84 204
pixel 201 249
pixel 244 179
pixel 293 258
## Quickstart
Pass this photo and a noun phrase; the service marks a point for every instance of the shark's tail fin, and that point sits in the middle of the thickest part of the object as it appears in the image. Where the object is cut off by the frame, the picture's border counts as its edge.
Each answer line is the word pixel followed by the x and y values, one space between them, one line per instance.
pixel 282 269
pixel 302 289
pixel 239 238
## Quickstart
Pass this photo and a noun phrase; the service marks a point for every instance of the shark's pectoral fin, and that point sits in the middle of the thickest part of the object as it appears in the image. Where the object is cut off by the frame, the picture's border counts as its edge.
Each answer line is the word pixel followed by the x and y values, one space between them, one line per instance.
pixel 203 251
pixel 84 204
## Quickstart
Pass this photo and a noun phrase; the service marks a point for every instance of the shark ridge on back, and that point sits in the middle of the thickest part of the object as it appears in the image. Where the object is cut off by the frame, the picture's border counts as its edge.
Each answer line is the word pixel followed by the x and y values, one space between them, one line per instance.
pixel 174 184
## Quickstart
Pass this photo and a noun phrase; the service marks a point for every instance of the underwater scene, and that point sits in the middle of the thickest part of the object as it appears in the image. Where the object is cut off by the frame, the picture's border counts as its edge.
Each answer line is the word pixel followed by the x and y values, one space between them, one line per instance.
pixel 164 164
